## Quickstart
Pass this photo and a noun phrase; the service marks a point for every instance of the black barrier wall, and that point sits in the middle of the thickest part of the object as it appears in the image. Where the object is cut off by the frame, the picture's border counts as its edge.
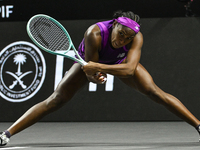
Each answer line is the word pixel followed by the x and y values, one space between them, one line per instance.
pixel 22 10
pixel 170 53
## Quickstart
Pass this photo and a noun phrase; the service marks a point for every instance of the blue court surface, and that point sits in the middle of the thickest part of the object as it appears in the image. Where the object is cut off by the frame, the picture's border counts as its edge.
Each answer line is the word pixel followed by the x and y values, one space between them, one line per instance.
pixel 105 136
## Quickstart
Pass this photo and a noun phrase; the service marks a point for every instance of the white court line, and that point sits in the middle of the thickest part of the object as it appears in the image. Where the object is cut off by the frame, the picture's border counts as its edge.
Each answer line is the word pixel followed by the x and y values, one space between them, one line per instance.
pixel 13 148
pixel 127 148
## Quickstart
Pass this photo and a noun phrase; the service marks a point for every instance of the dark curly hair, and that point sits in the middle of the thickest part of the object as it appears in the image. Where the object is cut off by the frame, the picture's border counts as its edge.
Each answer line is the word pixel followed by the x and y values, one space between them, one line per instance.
pixel 128 14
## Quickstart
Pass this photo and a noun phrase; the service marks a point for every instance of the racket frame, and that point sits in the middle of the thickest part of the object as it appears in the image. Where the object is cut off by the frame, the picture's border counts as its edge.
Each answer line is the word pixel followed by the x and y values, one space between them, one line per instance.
pixel 63 52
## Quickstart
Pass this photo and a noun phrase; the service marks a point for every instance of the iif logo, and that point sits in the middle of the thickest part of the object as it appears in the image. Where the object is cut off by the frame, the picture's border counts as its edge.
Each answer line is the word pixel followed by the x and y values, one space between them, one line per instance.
pixel 22 71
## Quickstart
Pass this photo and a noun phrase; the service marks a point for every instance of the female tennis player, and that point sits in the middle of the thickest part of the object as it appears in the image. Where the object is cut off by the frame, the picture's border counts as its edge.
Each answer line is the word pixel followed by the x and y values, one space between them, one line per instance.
pixel 113 47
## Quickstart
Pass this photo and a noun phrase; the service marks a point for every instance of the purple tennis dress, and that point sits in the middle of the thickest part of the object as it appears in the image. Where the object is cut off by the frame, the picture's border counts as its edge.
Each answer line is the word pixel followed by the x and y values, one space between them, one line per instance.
pixel 107 54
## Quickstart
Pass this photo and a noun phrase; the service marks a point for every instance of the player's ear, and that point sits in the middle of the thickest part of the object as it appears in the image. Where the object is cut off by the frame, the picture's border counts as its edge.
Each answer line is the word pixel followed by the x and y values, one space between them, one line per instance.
pixel 114 24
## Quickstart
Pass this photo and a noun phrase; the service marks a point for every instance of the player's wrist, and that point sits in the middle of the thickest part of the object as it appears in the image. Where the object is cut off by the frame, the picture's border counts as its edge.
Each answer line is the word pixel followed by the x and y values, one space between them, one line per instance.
pixel 99 67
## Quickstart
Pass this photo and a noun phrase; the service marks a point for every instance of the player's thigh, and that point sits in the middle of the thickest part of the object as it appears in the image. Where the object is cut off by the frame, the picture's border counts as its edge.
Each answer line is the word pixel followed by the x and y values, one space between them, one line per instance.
pixel 141 80
pixel 73 80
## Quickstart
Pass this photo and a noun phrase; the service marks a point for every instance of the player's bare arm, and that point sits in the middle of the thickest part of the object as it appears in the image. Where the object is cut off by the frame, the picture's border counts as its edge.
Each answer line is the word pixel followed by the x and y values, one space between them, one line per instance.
pixel 124 69
pixel 92 39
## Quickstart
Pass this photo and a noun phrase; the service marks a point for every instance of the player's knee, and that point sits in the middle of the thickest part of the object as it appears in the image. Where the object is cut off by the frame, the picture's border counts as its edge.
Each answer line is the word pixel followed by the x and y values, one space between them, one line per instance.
pixel 155 94
pixel 55 101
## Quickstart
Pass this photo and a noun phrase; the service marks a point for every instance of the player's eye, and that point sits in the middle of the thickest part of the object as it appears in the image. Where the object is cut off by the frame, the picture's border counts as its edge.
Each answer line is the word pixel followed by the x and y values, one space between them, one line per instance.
pixel 130 38
pixel 121 34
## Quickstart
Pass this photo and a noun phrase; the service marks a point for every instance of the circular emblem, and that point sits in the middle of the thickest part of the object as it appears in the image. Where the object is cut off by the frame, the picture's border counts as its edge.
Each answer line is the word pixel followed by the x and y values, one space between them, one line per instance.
pixel 22 71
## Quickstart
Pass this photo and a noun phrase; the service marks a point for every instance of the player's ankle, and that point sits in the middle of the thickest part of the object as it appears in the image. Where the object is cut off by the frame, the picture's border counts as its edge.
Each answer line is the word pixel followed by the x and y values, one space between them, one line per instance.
pixel 7 133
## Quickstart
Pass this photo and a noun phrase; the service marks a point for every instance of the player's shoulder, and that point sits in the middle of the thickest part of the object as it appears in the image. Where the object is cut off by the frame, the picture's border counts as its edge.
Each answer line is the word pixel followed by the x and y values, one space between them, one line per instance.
pixel 139 35
pixel 93 33
pixel 138 38
pixel 93 30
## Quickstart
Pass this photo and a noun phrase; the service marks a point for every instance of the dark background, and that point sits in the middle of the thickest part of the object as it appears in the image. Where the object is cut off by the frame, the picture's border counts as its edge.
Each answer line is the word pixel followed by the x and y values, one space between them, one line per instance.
pixel 97 9
pixel 170 53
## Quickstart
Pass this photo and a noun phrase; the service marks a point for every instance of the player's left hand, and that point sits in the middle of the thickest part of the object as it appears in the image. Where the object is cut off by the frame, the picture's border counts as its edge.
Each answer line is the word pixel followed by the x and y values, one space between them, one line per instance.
pixel 98 78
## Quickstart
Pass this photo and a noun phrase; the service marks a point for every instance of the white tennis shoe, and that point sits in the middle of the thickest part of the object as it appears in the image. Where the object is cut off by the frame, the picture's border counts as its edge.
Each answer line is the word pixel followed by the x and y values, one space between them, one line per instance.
pixel 198 129
pixel 3 139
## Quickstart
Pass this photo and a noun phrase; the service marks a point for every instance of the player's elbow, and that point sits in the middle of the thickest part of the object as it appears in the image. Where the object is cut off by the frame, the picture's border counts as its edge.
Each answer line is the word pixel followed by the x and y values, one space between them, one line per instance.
pixel 129 72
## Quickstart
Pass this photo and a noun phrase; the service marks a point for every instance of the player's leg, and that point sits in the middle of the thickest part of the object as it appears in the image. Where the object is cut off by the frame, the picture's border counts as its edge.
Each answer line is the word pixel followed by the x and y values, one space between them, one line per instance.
pixel 70 84
pixel 143 82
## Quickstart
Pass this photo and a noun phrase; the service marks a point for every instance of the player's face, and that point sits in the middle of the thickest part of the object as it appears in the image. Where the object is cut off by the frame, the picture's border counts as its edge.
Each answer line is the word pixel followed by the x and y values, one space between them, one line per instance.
pixel 121 35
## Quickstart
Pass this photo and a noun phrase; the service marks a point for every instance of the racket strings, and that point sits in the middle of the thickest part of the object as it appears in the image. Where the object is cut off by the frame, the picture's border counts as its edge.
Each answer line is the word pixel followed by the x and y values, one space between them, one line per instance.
pixel 49 34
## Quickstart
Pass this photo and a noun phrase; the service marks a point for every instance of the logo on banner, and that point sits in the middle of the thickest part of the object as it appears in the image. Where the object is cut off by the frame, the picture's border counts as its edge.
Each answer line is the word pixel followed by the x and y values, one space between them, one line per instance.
pixel 22 71
pixel 6 11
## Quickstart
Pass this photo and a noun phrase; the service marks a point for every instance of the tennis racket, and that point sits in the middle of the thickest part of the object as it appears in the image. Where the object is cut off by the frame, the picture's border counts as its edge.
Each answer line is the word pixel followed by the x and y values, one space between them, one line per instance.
pixel 48 34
